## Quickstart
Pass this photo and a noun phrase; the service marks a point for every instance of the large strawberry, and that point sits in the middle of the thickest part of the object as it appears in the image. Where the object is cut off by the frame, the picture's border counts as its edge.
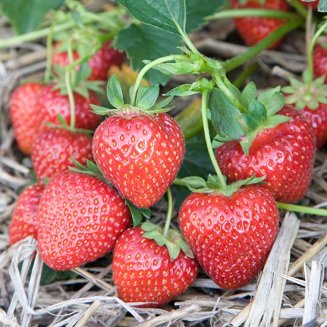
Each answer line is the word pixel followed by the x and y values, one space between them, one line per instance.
pixel 320 58
pixel 230 235
pixel 140 154
pixel 24 114
pixel 100 62
pixel 54 148
pixel 284 154
pixel 52 103
pixel 79 220
pixel 24 218
pixel 143 271
pixel 255 29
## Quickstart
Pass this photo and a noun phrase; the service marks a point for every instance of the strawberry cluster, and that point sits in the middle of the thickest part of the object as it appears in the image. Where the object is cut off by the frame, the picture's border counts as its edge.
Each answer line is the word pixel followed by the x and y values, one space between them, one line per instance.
pixel 81 210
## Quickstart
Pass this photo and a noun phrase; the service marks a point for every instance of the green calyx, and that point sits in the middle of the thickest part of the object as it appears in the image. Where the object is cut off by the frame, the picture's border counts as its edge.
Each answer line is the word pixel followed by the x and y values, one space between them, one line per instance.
pixel 306 93
pixel 244 121
pixel 146 100
pixel 89 169
pixel 173 241
pixel 213 185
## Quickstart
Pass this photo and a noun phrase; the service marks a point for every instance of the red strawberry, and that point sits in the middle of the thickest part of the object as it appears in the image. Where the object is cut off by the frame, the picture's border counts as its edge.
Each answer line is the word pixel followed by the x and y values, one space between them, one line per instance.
pixel 140 154
pixel 52 103
pixel 284 154
pixel 313 4
pixel 231 236
pixel 320 60
pixel 54 148
pixel 23 221
pixel 79 220
pixel 143 271
pixel 255 29
pixel 24 113
pixel 100 63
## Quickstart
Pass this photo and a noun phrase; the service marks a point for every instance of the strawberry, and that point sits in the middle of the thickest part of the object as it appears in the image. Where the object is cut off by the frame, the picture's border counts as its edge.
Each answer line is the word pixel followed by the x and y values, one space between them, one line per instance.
pixel 23 221
pixel 320 60
pixel 144 272
pixel 52 103
pixel 284 154
pixel 231 236
pixel 313 4
pixel 54 148
pixel 139 153
pixel 23 104
pixel 255 29
pixel 100 62
pixel 79 220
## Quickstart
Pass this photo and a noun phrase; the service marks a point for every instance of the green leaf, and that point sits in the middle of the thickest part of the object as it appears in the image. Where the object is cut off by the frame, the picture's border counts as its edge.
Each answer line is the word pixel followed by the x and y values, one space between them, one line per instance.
pixel 194 181
pixel 255 115
pixel 224 115
pixel 164 103
pixel 164 14
pixel 26 16
pixel 249 93
pixel 137 213
pixel 158 43
pixel 181 91
pixel 114 92
pixel 100 110
pixel 147 96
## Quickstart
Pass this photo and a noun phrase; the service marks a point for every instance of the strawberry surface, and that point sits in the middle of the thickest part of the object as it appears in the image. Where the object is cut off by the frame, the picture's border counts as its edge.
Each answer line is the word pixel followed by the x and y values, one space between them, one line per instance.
pixel 231 236
pixel 140 154
pixel 254 29
pixel 24 114
pixel 284 154
pixel 24 218
pixel 320 61
pixel 79 220
pixel 143 271
pixel 52 103
pixel 312 4
pixel 105 58
pixel 54 148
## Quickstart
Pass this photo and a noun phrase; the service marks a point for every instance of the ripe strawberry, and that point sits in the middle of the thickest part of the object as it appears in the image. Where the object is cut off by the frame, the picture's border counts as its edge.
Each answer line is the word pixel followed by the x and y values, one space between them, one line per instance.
pixel 79 220
pixel 140 154
pixel 313 4
pixel 320 60
pixel 54 148
pixel 284 154
pixel 23 105
pixel 52 103
pixel 23 221
pixel 143 271
pixel 231 236
pixel 100 63
pixel 255 29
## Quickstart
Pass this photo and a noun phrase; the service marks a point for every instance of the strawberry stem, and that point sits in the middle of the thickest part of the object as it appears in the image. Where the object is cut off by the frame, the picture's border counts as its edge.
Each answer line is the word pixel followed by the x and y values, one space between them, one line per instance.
pixel 169 212
pixel 208 139
pixel 48 70
pixel 262 45
pixel 144 70
pixel 269 13
pixel 302 209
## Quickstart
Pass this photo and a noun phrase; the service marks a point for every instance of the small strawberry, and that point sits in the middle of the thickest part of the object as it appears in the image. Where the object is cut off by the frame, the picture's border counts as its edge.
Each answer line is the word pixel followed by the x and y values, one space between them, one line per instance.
pixel 24 218
pixel 54 148
pixel 313 4
pixel 284 154
pixel 79 220
pixel 52 103
pixel 143 271
pixel 255 29
pixel 105 58
pixel 23 105
pixel 320 59
pixel 139 153
pixel 230 235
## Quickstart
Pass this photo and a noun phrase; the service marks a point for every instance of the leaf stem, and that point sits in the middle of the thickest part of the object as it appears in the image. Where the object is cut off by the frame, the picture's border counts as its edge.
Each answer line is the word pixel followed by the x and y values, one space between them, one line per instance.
pixel 144 70
pixel 234 13
pixel 262 45
pixel 208 139
pixel 310 53
pixel 302 209
pixel 169 212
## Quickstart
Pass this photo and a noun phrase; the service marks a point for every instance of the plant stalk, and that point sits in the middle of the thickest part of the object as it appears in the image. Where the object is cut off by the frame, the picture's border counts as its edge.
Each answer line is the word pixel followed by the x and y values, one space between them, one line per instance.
pixel 169 212
pixel 302 209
